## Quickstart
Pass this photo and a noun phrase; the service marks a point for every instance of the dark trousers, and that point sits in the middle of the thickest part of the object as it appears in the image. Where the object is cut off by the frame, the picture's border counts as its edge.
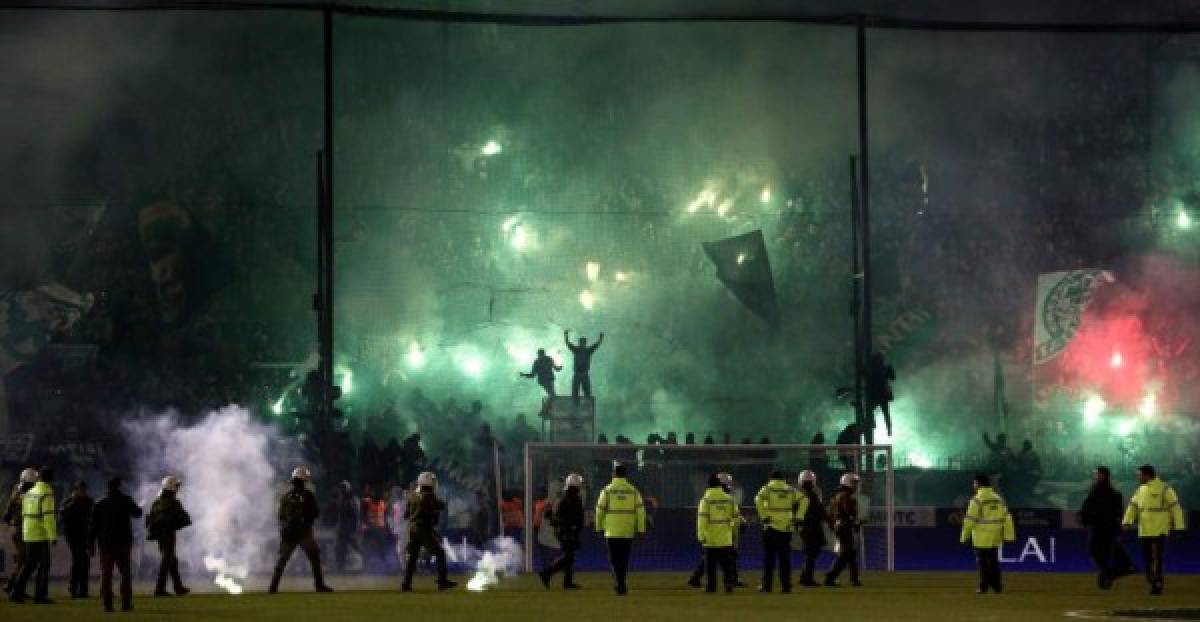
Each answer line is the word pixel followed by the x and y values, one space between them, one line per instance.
pixel 1110 557
pixel 432 544
pixel 81 567
pixel 168 565
pixel 777 545
pixel 618 556
pixel 988 561
pixel 287 546
pixel 581 381
pixel 548 386
pixel 847 555
pixel 118 557
pixel 722 557
pixel 702 564
pixel 1153 549
pixel 811 554
pixel 18 559
pixel 345 541
pixel 565 562
pixel 37 560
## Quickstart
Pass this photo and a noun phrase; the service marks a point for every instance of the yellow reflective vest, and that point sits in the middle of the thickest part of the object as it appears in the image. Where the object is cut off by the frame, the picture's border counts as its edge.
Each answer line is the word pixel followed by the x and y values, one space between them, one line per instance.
pixel 620 512
pixel 779 504
pixel 1155 509
pixel 987 523
pixel 716 519
pixel 38 522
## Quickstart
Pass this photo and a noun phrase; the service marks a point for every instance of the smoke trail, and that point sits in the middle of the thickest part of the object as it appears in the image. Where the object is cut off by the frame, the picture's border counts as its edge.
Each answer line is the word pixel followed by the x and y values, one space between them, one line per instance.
pixel 501 558
pixel 225 462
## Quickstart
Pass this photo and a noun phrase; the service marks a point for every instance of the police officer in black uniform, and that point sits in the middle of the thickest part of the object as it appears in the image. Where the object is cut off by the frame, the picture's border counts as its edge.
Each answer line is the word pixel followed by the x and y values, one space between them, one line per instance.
pixel 76 513
pixel 843 510
pixel 422 511
pixel 567 518
pixel 165 518
pixel 298 512
pixel 812 527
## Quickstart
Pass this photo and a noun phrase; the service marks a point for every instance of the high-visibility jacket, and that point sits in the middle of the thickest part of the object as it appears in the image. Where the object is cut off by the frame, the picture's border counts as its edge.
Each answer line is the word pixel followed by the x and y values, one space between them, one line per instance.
pixel 38 522
pixel 987 523
pixel 779 504
pixel 620 512
pixel 1155 509
pixel 716 519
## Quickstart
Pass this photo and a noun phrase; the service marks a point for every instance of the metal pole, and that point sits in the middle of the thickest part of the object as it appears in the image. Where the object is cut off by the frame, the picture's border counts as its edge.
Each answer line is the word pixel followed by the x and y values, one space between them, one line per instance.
pixel 528 515
pixel 856 296
pixel 325 226
pixel 891 509
pixel 864 200
pixel 499 486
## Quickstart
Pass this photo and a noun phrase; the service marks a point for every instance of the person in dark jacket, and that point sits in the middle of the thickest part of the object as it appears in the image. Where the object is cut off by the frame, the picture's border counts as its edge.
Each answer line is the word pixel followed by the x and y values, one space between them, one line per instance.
pixel 812 527
pixel 346 530
pixel 167 517
pixel 422 511
pixel 110 531
pixel 543 371
pixel 298 512
pixel 1101 514
pixel 76 513
pixel 567 518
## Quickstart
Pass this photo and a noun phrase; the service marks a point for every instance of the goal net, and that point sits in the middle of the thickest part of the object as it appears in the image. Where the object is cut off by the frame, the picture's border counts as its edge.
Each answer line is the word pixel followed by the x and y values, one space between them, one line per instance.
pixel 672 478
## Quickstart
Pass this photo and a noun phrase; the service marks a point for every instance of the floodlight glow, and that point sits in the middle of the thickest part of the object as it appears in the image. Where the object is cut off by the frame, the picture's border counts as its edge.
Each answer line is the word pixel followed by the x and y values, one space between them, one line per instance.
pixel 724 207
pixel 1116 360
pixel 620 276
pixel 519 238
pixel 919 460
pixel 593 270
pixel 1149 405
pixel 1126 427
pixel 706 198
pixel 415 356
pixel 509 223
pixel 491 148
pixel 471 364
pixel 587 299
pixel 1092 409
pixel 741 258
pixel 277 407
pixel 765 195
pixel 1183 221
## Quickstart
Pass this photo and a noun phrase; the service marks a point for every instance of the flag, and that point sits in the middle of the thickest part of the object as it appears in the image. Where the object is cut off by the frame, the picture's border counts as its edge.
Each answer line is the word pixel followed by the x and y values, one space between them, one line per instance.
pixel 1062 298
pixel 743 266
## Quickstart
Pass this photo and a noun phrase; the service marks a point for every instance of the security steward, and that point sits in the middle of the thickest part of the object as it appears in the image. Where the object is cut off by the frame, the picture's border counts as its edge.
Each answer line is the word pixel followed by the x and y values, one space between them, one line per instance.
pixel 12 518
pixel 567 518
pixel 778 505
pixel 1155 510
pixel 812 526
pixel 843 511
pixel 739 523
pixel 167 517
pixel 423 511
pixel 111 532
pixel 715 523
pixel 39 529
pixel 987 525
pixel 298 512
pixel 620 516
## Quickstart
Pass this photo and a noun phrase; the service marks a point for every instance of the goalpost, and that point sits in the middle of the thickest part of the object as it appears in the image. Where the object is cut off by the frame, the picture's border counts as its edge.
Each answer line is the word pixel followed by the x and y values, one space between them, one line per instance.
pixel 672 478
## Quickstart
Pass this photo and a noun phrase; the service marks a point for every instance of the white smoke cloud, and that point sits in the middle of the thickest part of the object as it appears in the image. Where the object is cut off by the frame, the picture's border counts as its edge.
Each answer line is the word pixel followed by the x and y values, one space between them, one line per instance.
pixel 227 464
pixel 501 558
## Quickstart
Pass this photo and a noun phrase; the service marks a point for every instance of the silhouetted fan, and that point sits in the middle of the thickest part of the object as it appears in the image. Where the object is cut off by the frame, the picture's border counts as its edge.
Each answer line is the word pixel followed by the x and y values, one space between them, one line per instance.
pixel 743 266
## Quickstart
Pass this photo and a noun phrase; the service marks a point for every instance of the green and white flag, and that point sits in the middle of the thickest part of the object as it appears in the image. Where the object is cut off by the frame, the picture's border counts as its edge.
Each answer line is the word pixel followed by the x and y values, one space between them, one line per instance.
pixel 1062 298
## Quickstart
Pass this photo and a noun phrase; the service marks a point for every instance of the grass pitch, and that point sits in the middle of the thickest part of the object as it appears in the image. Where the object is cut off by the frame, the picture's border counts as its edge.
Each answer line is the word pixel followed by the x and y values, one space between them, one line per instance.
pixel 895 597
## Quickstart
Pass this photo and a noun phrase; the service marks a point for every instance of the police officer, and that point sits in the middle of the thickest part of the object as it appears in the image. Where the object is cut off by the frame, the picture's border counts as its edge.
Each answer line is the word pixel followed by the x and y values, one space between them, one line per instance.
pixel 39 529
pixel 567 518
pixel 298 512
pixel 346 508
pixel 778 505
pixel 422 511
pixel 166 517
pixel 843 511
pixel 1155 510
pixel 76 513
pixel 110 531
pixel 715 523
pixel 12 518
pixel 987 525
pixel 812 526
pixel 620 516
pixel 701 565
